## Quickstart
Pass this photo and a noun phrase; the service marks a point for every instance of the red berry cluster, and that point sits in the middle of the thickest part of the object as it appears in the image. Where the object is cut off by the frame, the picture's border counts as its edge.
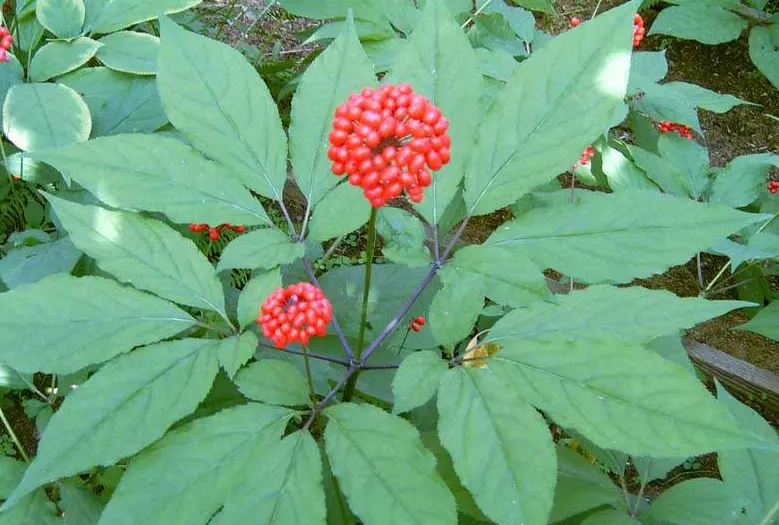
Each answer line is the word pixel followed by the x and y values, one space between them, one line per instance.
pixel 295 313
pixel 585 158
pixel 575 22
pixel 417 323
pixel 773 187
pixel 386 140
pixel 6 41
pixel 681 129
pixel 214 231
pixel 638 30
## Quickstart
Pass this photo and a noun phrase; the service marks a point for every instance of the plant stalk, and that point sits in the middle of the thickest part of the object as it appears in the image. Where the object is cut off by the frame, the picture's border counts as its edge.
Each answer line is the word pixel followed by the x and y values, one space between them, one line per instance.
pixel 309 377
pixel 15 439
pixel 225 19
pixel 338 332
pixel 312 355
pixel 771 513
pixel 350 385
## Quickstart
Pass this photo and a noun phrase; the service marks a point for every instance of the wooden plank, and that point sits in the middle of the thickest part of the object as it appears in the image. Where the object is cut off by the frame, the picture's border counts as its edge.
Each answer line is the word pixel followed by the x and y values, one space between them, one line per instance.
pixel 739 376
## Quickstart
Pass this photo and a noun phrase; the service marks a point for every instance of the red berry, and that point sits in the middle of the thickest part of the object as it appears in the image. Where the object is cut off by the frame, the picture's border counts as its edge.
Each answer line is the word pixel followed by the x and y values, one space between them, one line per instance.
pixel 213 233
pixel 295 314
pixel 240 229
pixel 414 326
pixel 638 30
pixel 420 321
pixel 384 138
pixel 575 21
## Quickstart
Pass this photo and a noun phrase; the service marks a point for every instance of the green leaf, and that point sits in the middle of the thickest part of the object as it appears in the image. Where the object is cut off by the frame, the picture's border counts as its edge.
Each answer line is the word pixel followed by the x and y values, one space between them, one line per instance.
pixel 93 8
pixel 664 103
pixel 632 314
pixel 264 249
pixel 765 323
pixel 144 252
pixel 670 347
pixel 386 473
pixel 581 486
pixel 403 236
pixel 274 382
pixel 621 173
pixel 284 489
pixel 705 23
pixel 164 485
pixel 118 14
pixel 545 6
pixel 29 264
pixel 456 306
pixel 145 172
pixel 43 334
pixel 59 57
pixel 126 405
pixel 597 238
pixel 119 103
pixel 496 442
pixel 11 74
pixel 742 181
pixel 763 43
pixel 11 472
pixel 619 395
pixel 33 509
pixel 533 131
pixel 80 506
pixel 697 501
pixel 342 210
pixel 217 99
pixel 753 474
pixel 340 70
pixel 650 469
pixel 29 32
pixel 646 69
pixel 416 381
pixel 254 293
pixel 612 517
pixel 508 279
pixel 705 98
pixel 130 52
pixel 441 65
pixel 234 352
pixel 64 18
pixel 38 116
pixel 681 168
pixel 521 21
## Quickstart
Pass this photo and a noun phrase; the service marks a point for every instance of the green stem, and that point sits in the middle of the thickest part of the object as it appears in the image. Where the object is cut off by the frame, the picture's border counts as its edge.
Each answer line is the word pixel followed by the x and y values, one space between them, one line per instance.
pixel 225 19
pixel 771 513
pixel 476 13
pixel 350 385
pixel 308 374
pixel 13 436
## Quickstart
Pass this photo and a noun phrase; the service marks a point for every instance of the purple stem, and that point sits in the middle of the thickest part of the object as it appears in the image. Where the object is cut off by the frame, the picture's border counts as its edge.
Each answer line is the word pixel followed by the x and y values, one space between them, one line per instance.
pixel 310 354
pixel 330 395
pixel 414 295
pixel 341 337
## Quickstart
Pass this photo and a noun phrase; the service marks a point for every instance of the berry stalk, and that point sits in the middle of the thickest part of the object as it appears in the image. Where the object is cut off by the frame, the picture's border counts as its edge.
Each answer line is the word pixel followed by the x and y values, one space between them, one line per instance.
pixel 352 382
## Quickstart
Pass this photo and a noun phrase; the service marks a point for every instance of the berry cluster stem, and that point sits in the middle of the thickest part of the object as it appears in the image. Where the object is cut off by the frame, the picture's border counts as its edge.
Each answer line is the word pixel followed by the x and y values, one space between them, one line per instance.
pixel 352 382
pixel 309 377
pixel 15 439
